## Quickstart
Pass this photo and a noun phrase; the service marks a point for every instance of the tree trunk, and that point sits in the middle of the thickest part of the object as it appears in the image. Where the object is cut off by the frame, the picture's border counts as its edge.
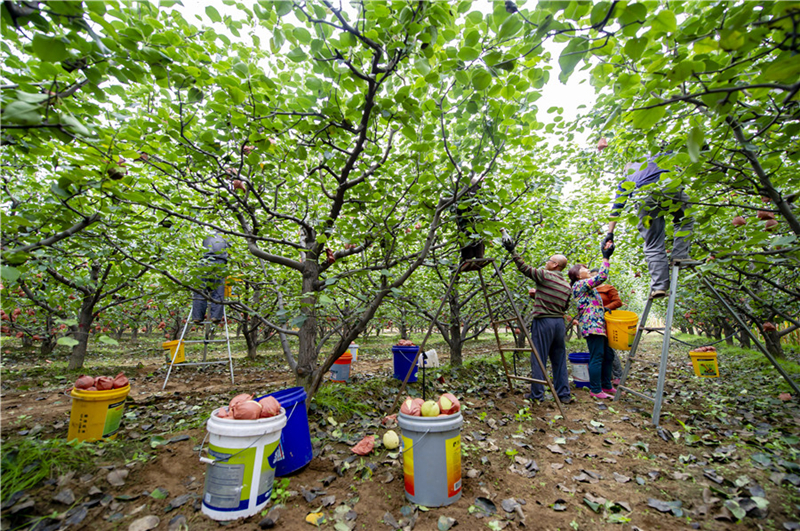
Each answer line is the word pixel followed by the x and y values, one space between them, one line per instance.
pixel 456 337
pixel 729 331
pixel 773 343
pixel 307 367
pixel 744 339
pixel 48 344
pixel 82 332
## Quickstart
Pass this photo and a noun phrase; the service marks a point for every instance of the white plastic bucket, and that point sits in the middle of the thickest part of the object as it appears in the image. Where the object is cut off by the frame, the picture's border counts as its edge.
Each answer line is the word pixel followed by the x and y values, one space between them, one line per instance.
pixel 353 350
pixel 431 458
pixel 241 465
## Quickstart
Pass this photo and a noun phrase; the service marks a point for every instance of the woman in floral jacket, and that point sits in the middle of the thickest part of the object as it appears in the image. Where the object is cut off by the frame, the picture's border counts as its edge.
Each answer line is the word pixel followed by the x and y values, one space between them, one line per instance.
pixel 593 324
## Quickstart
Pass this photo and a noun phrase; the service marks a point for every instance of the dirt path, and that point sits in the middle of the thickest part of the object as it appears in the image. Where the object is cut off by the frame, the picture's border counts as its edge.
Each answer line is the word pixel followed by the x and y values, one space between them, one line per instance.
pixel 606 464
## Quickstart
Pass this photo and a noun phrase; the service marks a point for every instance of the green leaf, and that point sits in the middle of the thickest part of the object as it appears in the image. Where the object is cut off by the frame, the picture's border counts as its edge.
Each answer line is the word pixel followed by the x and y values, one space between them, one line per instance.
pixel 49 48
pixel 735 509
pixel 648 118
pixel 213 14
pixel 159 493
pixel 9 273
pixel 468 54
pixel 302 35
pixel 783 70
pixel 665 21
pixel 297 55
pixel 694 142
pixel 67 341
pixel 572 54
pixel 510 27
pixel 157 441
pixel 108 341
pixel 283 7
pixel 731 40
pixel 481 79
pixel 22 113
pixel 195 95
pixel 73 123
pixel 635 47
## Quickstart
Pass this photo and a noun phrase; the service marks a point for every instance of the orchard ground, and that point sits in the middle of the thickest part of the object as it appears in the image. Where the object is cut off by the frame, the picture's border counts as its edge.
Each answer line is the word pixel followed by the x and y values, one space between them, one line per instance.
pixel 727 452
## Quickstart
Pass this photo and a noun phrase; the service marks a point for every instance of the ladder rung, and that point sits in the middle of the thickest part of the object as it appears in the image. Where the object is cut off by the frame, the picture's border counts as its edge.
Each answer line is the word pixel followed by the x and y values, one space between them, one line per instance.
pixel 637 393
pixel 505 321
pixel 515 349
pixel 192 364
pixel 525 378
pixel 205 341
pixel 652 328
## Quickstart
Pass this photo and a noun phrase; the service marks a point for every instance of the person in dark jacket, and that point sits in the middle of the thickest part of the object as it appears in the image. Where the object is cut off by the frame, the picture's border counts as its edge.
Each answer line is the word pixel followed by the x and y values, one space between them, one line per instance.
pixel 652 224
pixel 466 219
pixel 213 280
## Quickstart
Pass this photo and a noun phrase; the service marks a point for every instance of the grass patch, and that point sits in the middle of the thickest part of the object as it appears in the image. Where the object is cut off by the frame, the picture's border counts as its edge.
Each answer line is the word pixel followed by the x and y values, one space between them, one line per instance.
pixel 32 461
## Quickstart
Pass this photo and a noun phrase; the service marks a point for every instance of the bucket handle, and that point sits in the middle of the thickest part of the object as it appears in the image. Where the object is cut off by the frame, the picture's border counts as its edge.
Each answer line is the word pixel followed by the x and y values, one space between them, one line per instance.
pixel 212 462
pixel 412 446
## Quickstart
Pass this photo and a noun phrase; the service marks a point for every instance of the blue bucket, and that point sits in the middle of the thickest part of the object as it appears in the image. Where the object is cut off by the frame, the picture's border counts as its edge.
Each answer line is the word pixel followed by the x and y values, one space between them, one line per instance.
pixel 294 451
pixel 403 360
pixel 580 368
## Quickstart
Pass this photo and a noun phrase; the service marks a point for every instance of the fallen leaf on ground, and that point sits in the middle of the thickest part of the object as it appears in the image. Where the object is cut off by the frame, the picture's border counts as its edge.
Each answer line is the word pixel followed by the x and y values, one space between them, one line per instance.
pixel 364 446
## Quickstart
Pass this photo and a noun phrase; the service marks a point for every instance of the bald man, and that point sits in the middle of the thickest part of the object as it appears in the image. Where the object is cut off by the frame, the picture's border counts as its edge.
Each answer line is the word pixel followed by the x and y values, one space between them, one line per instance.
pixel 547 329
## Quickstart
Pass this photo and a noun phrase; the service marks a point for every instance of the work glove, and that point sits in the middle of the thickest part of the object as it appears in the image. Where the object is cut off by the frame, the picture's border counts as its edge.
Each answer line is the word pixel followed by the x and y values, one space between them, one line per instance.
pixel 609 238
pixel 508 242
pixel 606 252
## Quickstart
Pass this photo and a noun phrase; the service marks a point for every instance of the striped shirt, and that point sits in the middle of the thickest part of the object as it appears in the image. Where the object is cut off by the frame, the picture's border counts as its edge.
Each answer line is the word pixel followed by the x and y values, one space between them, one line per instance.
pixel 552 290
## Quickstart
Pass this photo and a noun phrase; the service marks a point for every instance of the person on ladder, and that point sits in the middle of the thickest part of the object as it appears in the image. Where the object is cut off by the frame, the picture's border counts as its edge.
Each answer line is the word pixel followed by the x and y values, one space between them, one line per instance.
pixel 547 328
pixel 466 219
pixel 213 280
pixel 592 323
pixel 652 223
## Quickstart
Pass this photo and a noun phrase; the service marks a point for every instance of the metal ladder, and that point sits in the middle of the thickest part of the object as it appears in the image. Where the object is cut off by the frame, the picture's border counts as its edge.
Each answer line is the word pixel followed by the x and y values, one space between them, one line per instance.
pixel 658 397
pixel 205 341
pixel 496 320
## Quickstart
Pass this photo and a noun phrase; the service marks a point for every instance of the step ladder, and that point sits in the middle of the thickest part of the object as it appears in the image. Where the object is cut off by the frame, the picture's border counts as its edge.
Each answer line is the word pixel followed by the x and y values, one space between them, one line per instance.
pixel 205 341
pixel 499 314
pixel 666 330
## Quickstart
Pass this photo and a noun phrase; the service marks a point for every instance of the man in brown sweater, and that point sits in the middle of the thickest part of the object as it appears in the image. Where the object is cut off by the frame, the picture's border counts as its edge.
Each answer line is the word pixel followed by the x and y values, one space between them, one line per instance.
pixel 611 301
pixel 547 329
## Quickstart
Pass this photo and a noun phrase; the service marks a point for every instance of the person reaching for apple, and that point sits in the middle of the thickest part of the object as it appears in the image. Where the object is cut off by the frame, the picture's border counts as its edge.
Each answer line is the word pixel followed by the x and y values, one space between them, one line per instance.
pixel 547 328
pixel 670 197
pixel 591 316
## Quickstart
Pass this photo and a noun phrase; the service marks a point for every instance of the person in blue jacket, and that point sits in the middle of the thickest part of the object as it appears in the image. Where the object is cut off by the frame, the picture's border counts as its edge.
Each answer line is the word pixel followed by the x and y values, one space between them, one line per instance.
pixel 666 197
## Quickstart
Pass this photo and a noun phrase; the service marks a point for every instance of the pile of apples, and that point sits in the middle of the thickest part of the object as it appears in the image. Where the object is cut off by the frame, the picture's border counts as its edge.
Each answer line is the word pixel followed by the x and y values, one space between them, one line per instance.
pixel 101 383
pixel 704 349
pixel 405 343
pixel 243 407
pixel 416 407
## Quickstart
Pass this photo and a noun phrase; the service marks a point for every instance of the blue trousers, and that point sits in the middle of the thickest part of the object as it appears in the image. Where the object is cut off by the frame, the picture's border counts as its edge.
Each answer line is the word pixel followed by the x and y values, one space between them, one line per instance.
pixel 601 361
pixel 213 288
pixel 548 334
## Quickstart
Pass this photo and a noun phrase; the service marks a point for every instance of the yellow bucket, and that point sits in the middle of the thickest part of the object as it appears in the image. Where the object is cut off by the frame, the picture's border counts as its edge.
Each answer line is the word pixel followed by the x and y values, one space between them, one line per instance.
pixel 96 414
pixel 172 346
pixel 229 285
pixel 705 364
pixel 621 328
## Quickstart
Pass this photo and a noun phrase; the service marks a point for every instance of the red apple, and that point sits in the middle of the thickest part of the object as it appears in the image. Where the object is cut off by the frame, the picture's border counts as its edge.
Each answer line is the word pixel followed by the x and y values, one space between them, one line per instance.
pixel 238 185
pixel 765 214
pixel 769 327
pixel 602 144
pixel 770 224
pixel 739 221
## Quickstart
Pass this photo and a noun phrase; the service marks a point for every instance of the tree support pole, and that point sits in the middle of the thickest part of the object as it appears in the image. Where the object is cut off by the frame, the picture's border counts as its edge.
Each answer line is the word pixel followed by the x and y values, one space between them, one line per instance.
pixel 746 328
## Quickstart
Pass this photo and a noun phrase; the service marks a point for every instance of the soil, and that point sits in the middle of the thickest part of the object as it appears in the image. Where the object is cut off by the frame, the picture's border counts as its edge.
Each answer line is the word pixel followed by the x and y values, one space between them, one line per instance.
pixel 602 466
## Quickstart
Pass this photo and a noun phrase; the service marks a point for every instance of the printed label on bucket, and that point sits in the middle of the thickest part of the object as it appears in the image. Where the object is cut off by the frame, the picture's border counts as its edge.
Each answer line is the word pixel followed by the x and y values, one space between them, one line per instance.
pixel 279 452
pixel 580 372
pixel 453 457
pixel 267 473
pixel 228 481
pixel 408 464
pixel 707 367
pixel 113 418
